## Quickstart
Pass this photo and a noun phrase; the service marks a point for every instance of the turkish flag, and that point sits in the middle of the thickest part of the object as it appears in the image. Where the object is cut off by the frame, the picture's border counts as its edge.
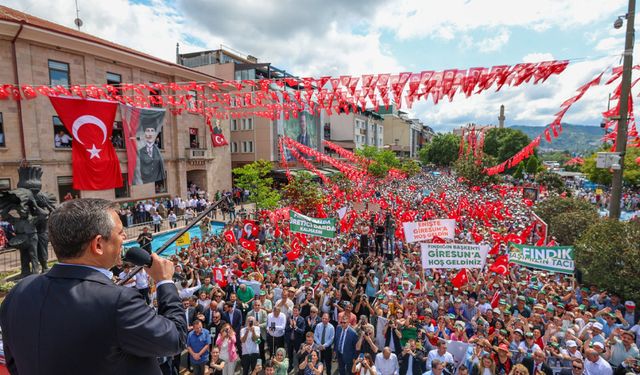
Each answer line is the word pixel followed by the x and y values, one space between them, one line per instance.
pixel 437 239
pixel 94 160
pixel 460 279
pixel 501 265
pixel 495 300
pixel 250 228
pixel 302 238
pixel 277 233
pixel 248 244
pixel 229 236
pixel 296 246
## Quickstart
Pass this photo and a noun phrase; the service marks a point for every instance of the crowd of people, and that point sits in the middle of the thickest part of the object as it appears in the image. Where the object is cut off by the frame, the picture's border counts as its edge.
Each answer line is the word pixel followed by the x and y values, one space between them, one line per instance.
pixel 362 303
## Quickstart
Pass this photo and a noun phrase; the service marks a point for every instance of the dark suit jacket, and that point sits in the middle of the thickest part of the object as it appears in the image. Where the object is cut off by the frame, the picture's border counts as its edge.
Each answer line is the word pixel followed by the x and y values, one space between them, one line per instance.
pixel 418 366
pixel 73 320
pixel 529 364
pixel 151 168
pixel 237 320
pixel 301 328
pixel 350 341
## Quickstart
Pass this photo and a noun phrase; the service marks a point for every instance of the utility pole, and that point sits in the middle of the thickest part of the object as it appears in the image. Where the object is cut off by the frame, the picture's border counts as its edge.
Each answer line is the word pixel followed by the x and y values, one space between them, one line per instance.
pixel 621 137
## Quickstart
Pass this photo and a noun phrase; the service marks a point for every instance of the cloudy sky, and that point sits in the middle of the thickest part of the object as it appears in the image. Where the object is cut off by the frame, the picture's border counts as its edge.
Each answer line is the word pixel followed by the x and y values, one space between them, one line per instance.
pixel 336 37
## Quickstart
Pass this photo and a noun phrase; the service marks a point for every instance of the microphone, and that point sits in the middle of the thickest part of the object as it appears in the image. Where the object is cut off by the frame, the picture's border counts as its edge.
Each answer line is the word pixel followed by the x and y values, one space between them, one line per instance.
pixel 138 257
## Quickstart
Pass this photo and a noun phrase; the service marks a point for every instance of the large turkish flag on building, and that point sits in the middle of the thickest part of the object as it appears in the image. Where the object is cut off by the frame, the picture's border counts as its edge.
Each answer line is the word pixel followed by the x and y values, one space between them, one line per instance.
pixel 90 123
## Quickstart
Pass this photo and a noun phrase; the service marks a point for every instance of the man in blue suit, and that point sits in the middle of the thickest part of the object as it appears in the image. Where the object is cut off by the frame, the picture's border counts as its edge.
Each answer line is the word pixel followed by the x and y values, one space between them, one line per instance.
pixel 345 345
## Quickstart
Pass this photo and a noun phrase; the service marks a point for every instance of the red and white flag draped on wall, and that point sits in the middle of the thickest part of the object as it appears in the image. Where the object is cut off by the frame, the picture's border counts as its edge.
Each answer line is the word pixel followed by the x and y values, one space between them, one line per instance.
pixel 94 160
pixel 217 138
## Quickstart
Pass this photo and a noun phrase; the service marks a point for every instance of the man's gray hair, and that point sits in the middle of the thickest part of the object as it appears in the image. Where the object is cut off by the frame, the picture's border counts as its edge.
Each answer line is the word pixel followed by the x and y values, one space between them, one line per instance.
pixel 76 222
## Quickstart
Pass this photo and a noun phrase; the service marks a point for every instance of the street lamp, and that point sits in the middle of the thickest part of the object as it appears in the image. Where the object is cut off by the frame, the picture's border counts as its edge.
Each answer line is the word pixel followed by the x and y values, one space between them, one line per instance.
pixel 621 136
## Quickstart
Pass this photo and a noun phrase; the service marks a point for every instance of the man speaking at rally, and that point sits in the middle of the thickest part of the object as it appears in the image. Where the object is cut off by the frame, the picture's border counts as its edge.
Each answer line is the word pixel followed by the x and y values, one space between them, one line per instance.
pixel 74 319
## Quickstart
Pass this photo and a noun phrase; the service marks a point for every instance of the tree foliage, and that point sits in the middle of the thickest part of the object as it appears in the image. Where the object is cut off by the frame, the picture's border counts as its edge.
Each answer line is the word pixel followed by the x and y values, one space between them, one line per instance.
pixel 552 181
pixel 568 226
pixel 532 165
pixel 503 143
pixel 554 206
pixel 631 173
pixel 473 171
pixel 342 182
pixel 303 193
pixel 441 151
pixel 254 178
pixel 410 167
pixel 519 172
pixel 381 160
pixel 608 254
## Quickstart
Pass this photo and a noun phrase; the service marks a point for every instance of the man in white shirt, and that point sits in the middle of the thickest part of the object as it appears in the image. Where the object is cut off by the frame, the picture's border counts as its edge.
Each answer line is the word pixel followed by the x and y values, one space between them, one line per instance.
pixel 387 362
pixel 142 284
pixel 276 324
pixel 596 365
pixel 249 337
pixel 440 354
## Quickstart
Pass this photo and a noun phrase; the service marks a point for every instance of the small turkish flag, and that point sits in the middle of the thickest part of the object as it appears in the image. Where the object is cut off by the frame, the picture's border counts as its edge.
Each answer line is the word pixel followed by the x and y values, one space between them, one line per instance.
pixel 437 239
pixel 302 238
pixel 460 279
pixel 278 232
pixel 495 300
pixel 94 160
pixel 248 244
pixel 229 236
pixel 501 265
pixel 495 250
pixel 296 246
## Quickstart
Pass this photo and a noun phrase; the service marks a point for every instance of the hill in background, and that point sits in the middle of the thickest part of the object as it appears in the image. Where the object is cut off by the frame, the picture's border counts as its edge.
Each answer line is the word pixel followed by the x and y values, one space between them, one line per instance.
pixel 582 139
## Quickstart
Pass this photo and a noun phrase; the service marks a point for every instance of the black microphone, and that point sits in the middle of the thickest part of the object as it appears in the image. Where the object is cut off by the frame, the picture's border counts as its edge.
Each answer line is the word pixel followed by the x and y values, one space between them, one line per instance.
pixel 138 256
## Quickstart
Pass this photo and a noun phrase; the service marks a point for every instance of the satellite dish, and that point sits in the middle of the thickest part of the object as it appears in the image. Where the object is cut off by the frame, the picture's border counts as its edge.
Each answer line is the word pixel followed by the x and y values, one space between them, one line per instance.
pixel 78 22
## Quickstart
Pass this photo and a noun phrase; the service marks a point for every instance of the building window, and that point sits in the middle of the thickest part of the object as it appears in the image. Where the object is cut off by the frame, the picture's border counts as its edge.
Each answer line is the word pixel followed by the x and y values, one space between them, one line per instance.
pixel 115 80
pixel 161 186
pixel 234 125
pixel 194 141
pixel 247 124
pixel 3 142
pixel 5 184
pixel 192 100
pixel 123 192
pixel 65 189
pixel 59 73
pixel 61 137
pixel 247 146
pixel 234 147
pixel 117 135
pixel 157 95
pixel 327 130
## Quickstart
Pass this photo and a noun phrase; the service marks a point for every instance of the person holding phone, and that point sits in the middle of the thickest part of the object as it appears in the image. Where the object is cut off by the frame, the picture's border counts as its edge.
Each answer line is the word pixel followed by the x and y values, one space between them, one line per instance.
pixel 216 364
pixel 311 365
pixel 364 365
pixel 250 337
pixel 228 353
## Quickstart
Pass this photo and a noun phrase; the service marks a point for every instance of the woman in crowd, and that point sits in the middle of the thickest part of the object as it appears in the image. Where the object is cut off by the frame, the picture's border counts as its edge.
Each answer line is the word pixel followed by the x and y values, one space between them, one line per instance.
pixel 281 362
pixel 364 365
pixel 228 353
pixel 311 364
pixel 216 364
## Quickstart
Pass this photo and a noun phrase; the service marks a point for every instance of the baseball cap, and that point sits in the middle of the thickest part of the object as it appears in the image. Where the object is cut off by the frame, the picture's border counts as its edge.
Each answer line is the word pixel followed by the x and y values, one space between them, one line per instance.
pixel 630 305
pixel 598 325
pixel 599 344
pixel 503 347
pixel 571 344
pixel 518 331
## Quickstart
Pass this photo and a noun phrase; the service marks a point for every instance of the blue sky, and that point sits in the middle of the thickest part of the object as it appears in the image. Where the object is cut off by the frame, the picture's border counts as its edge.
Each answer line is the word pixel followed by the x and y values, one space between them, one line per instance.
pixel 336 37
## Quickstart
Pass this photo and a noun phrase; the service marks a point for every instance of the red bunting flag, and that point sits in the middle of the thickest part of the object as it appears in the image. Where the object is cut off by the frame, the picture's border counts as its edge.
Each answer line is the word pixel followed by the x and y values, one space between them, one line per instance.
pixel 229 236
pixel 460 279
pixel 94 160
pixel 248 244
pixel 501 265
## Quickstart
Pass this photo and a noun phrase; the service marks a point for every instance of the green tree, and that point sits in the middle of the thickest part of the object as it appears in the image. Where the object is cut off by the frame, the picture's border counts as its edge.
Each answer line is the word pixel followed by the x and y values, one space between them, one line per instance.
pixel 554 206
pixel 568 226
pixel 380 160
pixel 503 143
pixel 441 151
pixel 631 174
pixel 519 172
pixel 303 193
pixel 253 177
pixel 472 170
pixel 552 181
pixel 410 167
pixel 532 165
pixel 608 254
pixel 342 182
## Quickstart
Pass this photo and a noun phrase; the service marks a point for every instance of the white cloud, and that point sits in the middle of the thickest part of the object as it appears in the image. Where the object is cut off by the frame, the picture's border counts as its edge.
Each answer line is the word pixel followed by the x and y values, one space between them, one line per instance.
pixel 416 18
pixel 537 57
pixel 496 43
pixel 610 44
